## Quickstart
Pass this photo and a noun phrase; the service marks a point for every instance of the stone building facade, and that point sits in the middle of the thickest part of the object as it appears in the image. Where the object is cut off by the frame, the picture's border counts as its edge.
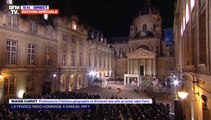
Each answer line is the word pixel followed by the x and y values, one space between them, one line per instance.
pixel 37 55
pixel 142 52
pixel 192 25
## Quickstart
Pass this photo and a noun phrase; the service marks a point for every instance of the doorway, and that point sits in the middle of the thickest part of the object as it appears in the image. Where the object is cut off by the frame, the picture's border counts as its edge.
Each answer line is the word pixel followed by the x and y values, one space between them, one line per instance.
pixel 142 70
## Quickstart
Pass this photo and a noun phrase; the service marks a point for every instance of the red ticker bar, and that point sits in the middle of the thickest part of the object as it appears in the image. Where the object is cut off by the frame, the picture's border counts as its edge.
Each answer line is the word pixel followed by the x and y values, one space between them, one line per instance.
pixel 50 11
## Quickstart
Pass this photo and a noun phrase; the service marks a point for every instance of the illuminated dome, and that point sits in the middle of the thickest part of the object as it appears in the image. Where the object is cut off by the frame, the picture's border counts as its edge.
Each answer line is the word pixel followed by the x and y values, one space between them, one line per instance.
pixel 148 9
pixel 147 24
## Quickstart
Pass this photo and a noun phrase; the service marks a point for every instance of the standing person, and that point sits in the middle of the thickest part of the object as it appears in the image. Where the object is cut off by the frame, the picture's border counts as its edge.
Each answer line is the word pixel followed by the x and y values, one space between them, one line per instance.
pixel 137 89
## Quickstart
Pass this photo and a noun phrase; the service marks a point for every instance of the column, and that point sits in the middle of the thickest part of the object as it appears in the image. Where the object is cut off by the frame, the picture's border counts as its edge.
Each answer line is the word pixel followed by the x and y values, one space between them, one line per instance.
pixel 138 79
pixel 150 67
pixel 154 66
pixel 128 81
pixel 67 82
pixel 128 66
pixel 131 65
pixel 125 78
pixel 138 66
pixel 147 66
pixel 144 66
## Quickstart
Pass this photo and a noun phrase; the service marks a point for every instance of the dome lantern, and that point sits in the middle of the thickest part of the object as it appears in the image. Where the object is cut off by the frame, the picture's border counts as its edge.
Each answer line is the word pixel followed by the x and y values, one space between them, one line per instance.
pixel 148 9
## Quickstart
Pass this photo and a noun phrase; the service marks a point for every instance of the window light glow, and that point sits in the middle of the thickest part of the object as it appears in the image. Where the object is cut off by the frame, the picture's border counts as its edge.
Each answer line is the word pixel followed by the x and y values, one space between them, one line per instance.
pixel 187 13
pixel 192 4
pixel 181 29
pixel 74 25
pixel 183 26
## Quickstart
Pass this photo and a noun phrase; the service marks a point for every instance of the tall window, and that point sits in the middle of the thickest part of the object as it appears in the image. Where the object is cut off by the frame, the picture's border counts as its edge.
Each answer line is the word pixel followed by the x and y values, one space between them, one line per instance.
pixel 201 2
pixel 192 4
pixel 81 59
pixel 64 37
pixel 73 53
pixel 89 59
pixel 81 41
pixel 9 85
pixel 13 20
pixel 187 13
pixel 181 29
pixel 108 62
pixel 100 61
pixel 95 61
pixel 73 39
pixel 30 82
pixel 144 27
pixel 31 54
pixel 104 61
pixel 33 26
pixel 64 59
pixel 48 55
pixel 73 57
pixel 202 37
pixel 11 52
pixel 183 23
pixel 81 52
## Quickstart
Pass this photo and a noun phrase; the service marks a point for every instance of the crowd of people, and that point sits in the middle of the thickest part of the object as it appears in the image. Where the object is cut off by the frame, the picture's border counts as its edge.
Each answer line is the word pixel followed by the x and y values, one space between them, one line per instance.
pixel 155 111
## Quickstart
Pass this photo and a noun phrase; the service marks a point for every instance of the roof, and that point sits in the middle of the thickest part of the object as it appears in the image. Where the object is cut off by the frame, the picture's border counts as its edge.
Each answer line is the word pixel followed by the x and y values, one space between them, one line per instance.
pixel 119 40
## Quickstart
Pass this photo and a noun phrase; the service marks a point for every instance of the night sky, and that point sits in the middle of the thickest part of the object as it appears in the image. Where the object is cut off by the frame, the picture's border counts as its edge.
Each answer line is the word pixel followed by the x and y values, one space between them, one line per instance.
pixel 112 17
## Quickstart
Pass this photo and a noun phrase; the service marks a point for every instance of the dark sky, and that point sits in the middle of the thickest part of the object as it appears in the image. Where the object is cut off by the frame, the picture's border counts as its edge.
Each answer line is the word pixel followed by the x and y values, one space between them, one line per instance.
pixel 112 17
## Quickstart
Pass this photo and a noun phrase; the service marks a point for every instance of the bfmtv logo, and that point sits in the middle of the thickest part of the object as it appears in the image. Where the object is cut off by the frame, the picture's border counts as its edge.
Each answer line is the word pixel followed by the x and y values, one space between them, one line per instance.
pixel 14 9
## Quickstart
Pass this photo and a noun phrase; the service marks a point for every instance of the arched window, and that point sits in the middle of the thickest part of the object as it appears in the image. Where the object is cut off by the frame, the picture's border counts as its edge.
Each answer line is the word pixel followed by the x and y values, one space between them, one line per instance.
pixel 144 27
pixel 154 27
pixel 92 35
pixel 120 52
pixel 131 28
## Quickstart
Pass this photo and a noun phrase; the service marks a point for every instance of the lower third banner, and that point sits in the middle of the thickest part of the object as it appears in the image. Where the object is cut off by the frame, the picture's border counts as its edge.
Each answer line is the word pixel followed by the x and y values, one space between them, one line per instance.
pixel 50 107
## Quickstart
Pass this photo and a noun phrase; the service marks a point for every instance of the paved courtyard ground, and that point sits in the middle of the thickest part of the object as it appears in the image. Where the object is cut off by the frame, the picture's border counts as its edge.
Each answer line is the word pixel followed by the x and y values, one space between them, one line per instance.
pixel 119 90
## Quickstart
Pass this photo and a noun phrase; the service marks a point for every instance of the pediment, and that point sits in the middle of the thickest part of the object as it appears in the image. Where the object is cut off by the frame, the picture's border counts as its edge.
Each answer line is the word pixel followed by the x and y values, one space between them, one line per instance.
pixel 141 53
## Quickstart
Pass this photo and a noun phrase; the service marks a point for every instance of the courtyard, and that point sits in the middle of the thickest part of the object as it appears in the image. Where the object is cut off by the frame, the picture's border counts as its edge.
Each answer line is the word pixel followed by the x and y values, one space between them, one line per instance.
pixel 117 89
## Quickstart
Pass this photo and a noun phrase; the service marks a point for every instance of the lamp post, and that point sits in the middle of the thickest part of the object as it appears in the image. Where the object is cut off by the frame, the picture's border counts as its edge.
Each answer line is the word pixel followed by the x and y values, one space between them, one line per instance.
pixel 179 104
pixel 174 82
pixel 55 79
